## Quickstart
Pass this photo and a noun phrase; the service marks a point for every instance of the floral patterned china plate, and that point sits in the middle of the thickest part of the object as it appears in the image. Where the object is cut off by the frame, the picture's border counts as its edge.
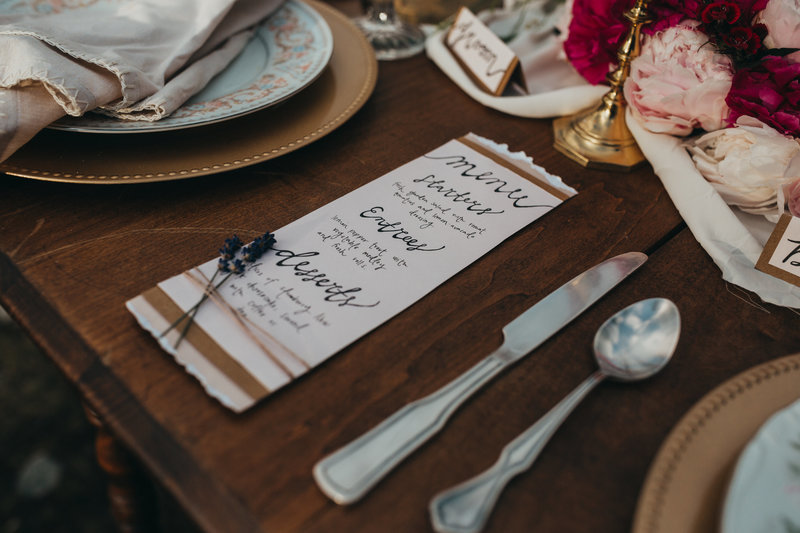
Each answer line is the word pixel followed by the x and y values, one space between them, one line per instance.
pixel 288 51
pixel 764 494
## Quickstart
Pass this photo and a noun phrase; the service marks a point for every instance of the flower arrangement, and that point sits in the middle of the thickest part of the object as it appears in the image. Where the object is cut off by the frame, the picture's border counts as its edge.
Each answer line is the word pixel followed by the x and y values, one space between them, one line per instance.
pixel 724 74
pixel 234 256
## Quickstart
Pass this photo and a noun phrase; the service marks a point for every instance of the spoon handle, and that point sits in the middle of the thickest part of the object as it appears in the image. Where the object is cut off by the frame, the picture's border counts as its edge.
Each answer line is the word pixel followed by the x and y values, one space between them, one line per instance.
pixel 466 507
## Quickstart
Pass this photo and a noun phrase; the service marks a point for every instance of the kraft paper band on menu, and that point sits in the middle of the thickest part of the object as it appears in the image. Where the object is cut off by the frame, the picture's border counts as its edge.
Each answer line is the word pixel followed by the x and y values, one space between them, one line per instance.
pixel 339 272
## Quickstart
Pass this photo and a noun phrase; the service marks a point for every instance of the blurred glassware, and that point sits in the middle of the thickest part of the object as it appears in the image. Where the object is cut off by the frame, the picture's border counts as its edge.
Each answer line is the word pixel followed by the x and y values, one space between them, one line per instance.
pixel 390 36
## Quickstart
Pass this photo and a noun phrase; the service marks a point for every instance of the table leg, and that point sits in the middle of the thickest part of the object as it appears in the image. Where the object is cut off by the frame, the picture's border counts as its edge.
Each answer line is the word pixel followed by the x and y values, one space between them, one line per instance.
pixel 130 495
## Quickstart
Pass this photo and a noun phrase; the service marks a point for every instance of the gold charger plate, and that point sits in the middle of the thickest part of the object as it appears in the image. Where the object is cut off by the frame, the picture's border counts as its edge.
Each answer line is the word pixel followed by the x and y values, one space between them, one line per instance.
pixel 685 488
pixel 327 103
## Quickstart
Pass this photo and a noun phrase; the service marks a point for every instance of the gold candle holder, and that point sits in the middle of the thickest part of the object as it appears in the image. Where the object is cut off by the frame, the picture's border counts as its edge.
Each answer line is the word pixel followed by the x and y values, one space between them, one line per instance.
pixel 598 137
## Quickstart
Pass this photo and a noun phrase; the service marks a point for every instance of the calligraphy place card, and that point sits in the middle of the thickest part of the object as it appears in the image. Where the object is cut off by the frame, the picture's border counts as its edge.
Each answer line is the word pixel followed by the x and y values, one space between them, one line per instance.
pixel 781 255
pixel 482 54
pixel 338 272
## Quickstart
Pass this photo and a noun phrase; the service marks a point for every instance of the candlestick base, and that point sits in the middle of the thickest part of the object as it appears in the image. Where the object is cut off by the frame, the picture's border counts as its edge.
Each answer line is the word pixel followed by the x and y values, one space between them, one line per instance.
pixel 598 138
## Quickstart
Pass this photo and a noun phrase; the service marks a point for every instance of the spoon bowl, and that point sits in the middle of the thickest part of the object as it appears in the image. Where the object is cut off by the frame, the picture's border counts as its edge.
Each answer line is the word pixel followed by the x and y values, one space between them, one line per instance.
pixel 633 344
pixel 639 340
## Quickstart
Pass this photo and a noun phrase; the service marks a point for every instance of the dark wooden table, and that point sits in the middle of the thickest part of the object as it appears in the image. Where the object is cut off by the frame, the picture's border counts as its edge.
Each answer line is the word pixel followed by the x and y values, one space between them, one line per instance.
pixel 71 255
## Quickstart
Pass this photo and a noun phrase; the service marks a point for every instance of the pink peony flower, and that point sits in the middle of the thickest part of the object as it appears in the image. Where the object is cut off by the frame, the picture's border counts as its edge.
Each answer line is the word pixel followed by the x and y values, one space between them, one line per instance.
pixel 595 32
pixel 782 19
pixel 770 92
pixel 677 84
pixel 792 194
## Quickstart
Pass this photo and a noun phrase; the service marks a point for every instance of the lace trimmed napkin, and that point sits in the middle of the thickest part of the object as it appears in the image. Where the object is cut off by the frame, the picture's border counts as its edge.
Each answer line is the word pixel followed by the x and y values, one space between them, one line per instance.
pixel 732 238
pixel 133 59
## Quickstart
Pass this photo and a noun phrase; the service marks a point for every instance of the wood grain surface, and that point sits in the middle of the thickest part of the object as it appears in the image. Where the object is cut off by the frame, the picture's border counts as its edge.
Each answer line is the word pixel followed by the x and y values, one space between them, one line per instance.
pixel 72 255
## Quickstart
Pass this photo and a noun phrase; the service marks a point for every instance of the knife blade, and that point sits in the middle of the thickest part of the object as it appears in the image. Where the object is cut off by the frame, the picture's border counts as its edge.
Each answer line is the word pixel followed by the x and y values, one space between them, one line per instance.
pixel 349 473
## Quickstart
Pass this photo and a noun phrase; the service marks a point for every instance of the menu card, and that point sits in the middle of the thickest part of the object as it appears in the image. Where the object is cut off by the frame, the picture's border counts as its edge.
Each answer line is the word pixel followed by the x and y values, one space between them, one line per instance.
pixel 342 270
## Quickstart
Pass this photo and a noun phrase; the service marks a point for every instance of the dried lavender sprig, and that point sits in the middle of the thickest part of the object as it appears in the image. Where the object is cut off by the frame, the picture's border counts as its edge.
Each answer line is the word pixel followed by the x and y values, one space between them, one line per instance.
pixel 231 246
pixel 230 265
pixel 192 310
pixel 190 315
pixel 227 252
pixel 256 249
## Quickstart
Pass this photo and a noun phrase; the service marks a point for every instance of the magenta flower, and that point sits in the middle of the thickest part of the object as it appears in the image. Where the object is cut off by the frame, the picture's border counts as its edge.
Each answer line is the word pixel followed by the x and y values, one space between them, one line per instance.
pixel 743 39
pixel 597 27
pixel 669 13
pixel 595 33
pixel 728 12
pixel 770 92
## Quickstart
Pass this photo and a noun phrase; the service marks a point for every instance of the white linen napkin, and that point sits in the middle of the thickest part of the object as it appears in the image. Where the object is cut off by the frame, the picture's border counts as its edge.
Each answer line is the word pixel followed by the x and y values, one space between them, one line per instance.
pixel 554 87
pixel 134 59
pixel 733 239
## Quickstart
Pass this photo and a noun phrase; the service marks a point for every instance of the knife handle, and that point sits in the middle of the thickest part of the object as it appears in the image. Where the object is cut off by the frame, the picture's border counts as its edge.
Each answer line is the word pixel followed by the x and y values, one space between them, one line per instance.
pixel 350 472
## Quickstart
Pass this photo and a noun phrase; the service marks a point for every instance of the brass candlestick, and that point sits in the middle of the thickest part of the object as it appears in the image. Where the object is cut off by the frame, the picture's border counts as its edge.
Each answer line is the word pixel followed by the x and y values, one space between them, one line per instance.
pixel 598 137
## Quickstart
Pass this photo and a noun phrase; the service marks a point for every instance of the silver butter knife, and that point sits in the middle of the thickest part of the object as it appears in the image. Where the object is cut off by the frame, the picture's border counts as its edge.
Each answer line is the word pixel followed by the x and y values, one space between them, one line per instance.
pixel 350 472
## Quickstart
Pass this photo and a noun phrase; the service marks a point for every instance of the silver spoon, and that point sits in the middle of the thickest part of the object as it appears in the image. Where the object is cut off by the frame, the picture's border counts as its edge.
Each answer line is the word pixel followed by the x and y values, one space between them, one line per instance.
pixel 633 344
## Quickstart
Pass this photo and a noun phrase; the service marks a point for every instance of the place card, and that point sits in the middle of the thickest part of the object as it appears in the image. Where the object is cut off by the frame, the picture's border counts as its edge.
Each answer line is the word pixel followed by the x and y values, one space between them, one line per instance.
pixel 781 255
pixel 342 270
pixel 482 54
